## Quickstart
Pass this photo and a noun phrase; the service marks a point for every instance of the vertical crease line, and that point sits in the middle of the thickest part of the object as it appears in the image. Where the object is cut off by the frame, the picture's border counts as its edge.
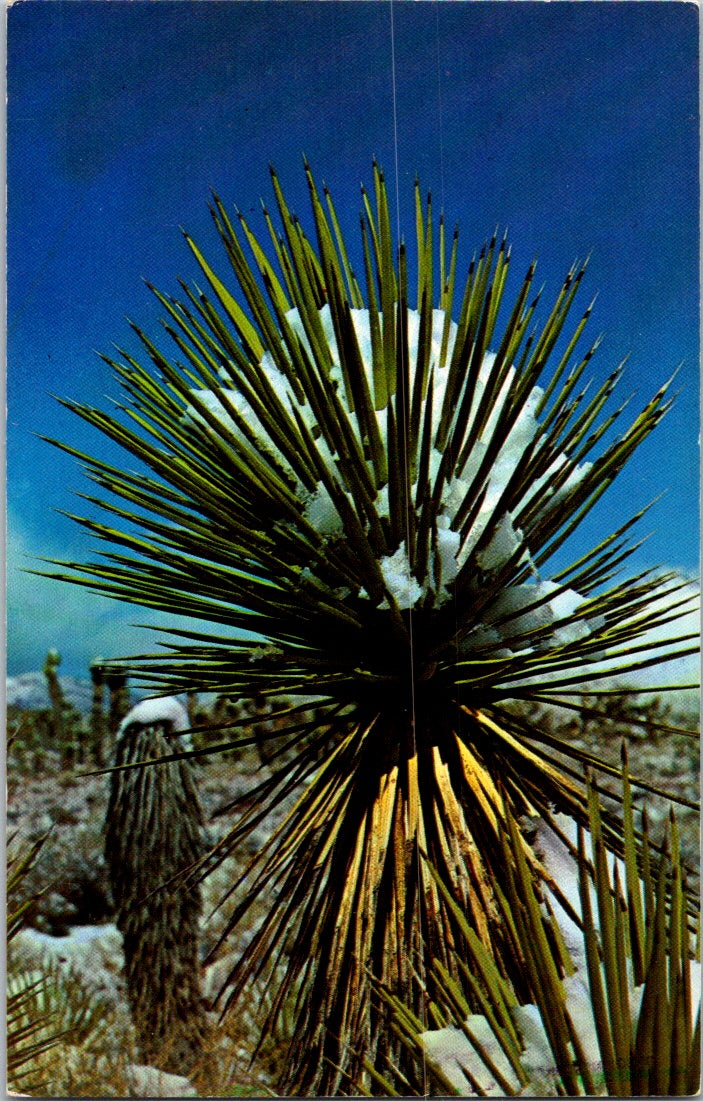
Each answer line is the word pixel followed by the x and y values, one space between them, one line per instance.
pixel 439 106
pixel 404 399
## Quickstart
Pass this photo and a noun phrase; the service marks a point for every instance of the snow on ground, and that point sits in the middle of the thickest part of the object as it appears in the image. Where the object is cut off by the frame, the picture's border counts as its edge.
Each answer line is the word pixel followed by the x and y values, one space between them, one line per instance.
pixel 29 691
pixel 92 951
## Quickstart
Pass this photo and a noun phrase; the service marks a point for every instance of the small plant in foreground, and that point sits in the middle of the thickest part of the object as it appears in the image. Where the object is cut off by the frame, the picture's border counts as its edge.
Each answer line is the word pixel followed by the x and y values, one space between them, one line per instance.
pixel 32 1026
pixel 377 491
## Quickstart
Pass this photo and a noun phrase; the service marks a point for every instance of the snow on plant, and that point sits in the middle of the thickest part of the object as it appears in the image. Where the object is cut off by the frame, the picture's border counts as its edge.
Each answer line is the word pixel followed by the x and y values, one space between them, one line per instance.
pixel 376 490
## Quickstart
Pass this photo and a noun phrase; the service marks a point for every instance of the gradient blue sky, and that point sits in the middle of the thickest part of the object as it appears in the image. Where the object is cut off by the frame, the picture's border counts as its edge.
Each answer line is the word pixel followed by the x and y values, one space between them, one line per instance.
pixel 573 124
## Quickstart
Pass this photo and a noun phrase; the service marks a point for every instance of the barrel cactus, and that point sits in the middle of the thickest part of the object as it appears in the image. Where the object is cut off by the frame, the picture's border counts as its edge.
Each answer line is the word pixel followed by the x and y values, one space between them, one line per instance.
pixel 377 491
pixel 153 834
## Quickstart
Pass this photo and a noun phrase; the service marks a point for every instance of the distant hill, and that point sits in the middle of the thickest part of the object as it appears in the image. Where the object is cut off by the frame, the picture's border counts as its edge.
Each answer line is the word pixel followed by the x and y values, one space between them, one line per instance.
pixel 28 691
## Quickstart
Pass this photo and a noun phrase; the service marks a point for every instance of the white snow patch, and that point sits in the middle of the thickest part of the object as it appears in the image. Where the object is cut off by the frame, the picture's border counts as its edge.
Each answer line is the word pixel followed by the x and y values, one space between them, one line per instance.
pixel 517 607
pixel 481 638
pixel 450 1050
pixel 146 1081
pixel 400 583
pixel 516 599
pixel 161 709
pixel 214 405
pixel 506 540
pixel 321 512
pixel 94 952
pixel 446 551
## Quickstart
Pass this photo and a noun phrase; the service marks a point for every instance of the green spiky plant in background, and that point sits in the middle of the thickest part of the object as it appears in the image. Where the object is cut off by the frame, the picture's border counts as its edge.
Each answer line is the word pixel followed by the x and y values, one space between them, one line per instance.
pixel 376 491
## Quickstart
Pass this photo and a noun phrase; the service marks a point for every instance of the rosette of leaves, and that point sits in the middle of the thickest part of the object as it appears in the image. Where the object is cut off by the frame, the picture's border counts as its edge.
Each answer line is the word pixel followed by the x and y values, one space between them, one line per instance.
pixel 376 491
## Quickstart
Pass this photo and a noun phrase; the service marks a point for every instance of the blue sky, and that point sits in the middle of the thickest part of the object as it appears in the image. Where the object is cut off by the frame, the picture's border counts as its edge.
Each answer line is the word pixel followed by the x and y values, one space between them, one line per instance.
pixel 573 124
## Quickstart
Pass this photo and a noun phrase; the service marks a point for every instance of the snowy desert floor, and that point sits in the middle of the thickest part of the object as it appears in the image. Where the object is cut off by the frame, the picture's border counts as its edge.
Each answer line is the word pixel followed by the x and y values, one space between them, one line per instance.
pixel 69 934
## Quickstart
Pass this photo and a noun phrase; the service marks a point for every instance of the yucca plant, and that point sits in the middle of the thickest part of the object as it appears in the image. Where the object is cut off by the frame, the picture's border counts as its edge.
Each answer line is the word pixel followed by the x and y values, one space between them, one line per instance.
pixel 620 1017
pixel 376 491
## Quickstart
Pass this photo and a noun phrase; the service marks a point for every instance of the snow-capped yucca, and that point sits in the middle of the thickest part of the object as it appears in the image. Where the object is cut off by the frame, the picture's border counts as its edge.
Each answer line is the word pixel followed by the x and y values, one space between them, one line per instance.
pixel 376 489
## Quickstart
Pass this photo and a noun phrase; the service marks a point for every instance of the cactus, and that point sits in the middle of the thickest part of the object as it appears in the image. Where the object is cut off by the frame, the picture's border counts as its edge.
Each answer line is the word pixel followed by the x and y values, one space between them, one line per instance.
pixel 153 832
pixel 53 660
pixel 64 720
